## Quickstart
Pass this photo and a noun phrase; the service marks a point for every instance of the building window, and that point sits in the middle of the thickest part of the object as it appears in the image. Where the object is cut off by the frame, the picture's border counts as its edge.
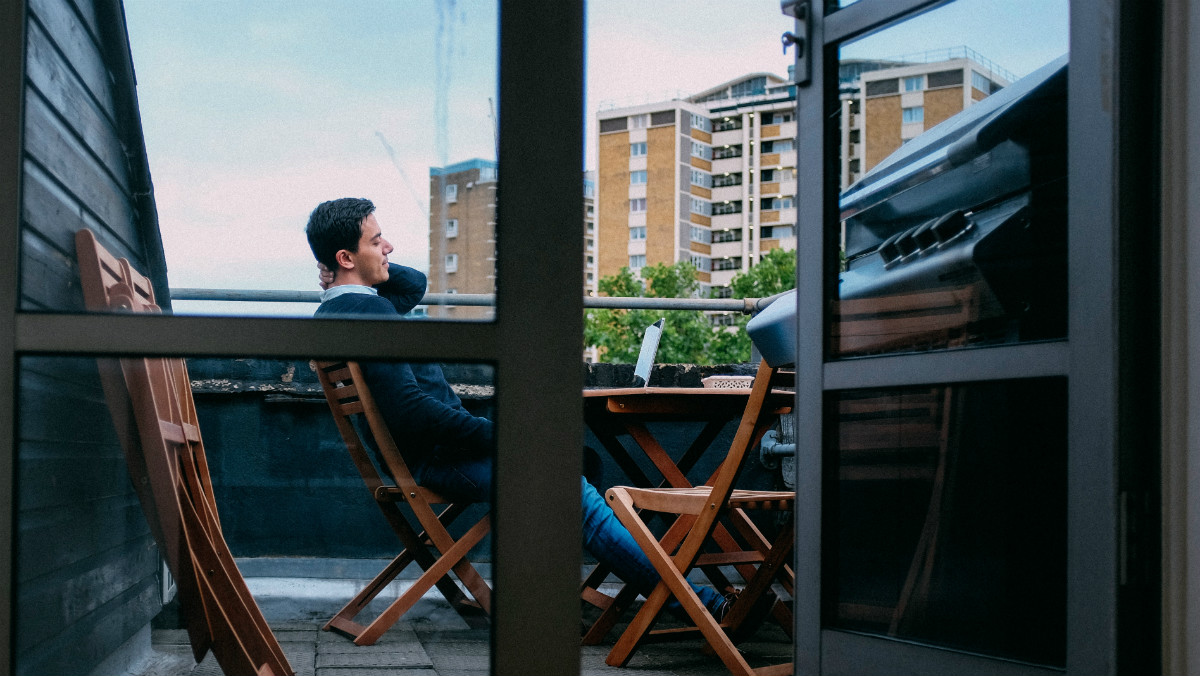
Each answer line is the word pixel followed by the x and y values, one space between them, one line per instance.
pixel 778 175
pixel 702 207
pixel 591 260
pixel 702 235
pixel 726 151
pixel 637 262
pixel 700 122
pixel 702 179
pixel 702 151
pixel 726 236
pixel 451 228
pixel 913 115
pixel 637 149
pixel 702 263
pixel 452 262
pixel 726 180
pixel 637 177
pixel 722 292
pixel 727 123
pixel 734 207
pixel 772 203
pixel 591 244
pixel 914 84
pixel 452 193
pixel 751 87
pixel 777 118
pixel 882 87
pixel 727 264
pixel 780 146
pixel 487 175
pixel 637 232
pixel 981 83
pixel 637 205
pixel 639 121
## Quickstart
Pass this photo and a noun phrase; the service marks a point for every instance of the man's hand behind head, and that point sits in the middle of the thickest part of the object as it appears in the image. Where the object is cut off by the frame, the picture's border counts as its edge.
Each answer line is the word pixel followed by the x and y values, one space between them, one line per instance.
pixel 325 276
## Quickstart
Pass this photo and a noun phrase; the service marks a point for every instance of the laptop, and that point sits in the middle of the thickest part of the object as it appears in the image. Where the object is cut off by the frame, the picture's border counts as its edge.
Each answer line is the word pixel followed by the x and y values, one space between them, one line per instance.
pixel 645 362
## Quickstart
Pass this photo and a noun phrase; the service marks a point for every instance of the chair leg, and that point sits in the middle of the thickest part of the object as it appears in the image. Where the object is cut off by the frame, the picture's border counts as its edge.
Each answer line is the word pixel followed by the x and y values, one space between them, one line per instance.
pixel 409 598
pixel 673 584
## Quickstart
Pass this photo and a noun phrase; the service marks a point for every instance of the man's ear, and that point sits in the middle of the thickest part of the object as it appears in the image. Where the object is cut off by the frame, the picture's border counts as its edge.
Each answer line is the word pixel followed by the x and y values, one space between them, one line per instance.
pixel 344 259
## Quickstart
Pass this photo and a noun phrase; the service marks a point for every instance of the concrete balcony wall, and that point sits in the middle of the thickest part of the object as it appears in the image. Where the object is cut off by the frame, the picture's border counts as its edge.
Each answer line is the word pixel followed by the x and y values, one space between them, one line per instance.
pixel 286 487
pixel 728 137
pixel 727 193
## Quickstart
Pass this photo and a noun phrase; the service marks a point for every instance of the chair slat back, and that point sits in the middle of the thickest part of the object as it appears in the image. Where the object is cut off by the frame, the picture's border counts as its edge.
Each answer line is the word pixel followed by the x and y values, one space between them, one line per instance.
pixel 753 424
pixel 155 415
pixel 340 382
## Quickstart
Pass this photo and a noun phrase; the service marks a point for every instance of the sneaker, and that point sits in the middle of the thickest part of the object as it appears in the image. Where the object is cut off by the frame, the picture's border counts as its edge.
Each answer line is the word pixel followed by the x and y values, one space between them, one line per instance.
pixel 754 619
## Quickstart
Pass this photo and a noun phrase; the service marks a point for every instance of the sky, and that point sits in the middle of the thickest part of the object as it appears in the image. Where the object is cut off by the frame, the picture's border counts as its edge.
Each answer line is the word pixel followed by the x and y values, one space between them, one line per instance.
pixel 255 112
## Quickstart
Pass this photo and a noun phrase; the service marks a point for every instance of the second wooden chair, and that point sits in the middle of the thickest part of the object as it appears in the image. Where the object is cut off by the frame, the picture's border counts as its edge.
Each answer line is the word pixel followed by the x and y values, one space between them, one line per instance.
pixel 427 543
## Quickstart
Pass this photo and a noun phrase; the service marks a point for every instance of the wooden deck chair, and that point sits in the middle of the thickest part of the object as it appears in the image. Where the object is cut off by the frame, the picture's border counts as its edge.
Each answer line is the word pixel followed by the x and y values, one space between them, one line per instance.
pixel 700 510
pixel 899 438
pixel 428 543
pixel 155 417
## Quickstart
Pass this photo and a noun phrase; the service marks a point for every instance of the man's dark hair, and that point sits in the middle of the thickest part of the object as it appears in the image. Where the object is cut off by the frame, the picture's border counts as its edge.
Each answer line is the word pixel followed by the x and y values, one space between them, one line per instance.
pixel 336 225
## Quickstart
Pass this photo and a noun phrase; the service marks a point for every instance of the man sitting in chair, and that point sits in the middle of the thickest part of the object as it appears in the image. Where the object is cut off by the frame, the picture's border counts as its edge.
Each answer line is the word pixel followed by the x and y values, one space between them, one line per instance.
pixel 448 448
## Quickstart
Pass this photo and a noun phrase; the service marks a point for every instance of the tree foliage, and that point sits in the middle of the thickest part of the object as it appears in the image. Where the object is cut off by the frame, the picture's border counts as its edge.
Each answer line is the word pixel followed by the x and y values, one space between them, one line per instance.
pixel 689 337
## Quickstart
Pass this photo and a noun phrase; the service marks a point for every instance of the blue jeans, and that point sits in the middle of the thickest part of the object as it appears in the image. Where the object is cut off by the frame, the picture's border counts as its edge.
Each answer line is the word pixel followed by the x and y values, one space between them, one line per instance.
pixel 604 536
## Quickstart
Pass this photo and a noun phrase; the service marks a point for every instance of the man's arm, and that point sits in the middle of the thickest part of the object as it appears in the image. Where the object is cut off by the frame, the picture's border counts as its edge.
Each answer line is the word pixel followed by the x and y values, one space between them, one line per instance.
pixel 404 288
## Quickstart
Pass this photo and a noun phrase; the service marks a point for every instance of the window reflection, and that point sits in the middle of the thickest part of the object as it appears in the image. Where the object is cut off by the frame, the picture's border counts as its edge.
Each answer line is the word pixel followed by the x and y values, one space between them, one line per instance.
pixel 953 177
pixel 136 471
pixel 252 115
pixel 948 509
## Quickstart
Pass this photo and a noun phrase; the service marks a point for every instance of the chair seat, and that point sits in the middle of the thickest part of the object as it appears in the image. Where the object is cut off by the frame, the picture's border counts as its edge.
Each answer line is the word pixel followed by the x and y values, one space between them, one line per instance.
pixel 696 500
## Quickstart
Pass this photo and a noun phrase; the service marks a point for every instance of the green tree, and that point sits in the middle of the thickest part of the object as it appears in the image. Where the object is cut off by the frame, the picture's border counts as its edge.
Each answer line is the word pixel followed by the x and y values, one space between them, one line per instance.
pixel 689 337
pixel 618 333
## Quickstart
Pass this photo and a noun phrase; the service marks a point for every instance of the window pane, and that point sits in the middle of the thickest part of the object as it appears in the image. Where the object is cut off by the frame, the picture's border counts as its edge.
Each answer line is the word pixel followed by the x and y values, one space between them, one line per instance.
pixel 252 115
pixel 948 508
pixel 293 510
pixel 953 202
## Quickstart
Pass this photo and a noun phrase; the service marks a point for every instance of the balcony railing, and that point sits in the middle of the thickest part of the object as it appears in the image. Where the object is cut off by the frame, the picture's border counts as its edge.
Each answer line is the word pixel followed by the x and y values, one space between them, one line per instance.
pixel 743 305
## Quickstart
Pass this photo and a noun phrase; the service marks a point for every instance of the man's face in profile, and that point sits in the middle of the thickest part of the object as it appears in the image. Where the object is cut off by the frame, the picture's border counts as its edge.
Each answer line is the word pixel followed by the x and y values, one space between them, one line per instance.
pixel 371 259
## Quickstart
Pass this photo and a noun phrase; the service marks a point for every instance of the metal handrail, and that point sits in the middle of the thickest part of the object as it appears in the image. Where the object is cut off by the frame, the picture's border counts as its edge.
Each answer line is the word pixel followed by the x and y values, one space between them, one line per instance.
pixel 743 305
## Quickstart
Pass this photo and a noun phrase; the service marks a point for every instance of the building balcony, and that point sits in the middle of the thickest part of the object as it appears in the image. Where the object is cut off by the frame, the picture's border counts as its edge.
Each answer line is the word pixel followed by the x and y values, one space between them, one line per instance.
pixel 730 137
pixel 726 249
pixel 728 221
pixel 727 193
pixel 730 165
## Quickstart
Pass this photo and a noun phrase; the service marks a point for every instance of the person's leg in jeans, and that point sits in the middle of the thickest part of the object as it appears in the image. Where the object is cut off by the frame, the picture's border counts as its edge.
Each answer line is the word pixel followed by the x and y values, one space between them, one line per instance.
pixel 604 536
pixel 607 539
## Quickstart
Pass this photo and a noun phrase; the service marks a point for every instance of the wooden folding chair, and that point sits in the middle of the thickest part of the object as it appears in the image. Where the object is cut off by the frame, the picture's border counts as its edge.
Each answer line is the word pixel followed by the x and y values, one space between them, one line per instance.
pixel 699 510
pixel 155 416
pixel 428 543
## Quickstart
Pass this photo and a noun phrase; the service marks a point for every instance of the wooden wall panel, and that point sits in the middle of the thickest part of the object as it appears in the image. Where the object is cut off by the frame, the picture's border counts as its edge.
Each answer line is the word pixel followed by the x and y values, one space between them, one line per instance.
pixel 86 565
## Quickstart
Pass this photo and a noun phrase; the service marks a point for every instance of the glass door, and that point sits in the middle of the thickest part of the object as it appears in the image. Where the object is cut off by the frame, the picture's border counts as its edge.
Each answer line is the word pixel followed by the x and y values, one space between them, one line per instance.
pixel 956 360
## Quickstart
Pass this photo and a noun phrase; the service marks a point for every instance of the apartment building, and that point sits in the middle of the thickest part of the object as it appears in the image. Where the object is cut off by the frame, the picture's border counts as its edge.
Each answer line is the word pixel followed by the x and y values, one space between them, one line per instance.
pixel 902 102
pixel 708 179
pixel 711 178
pixel 462 234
